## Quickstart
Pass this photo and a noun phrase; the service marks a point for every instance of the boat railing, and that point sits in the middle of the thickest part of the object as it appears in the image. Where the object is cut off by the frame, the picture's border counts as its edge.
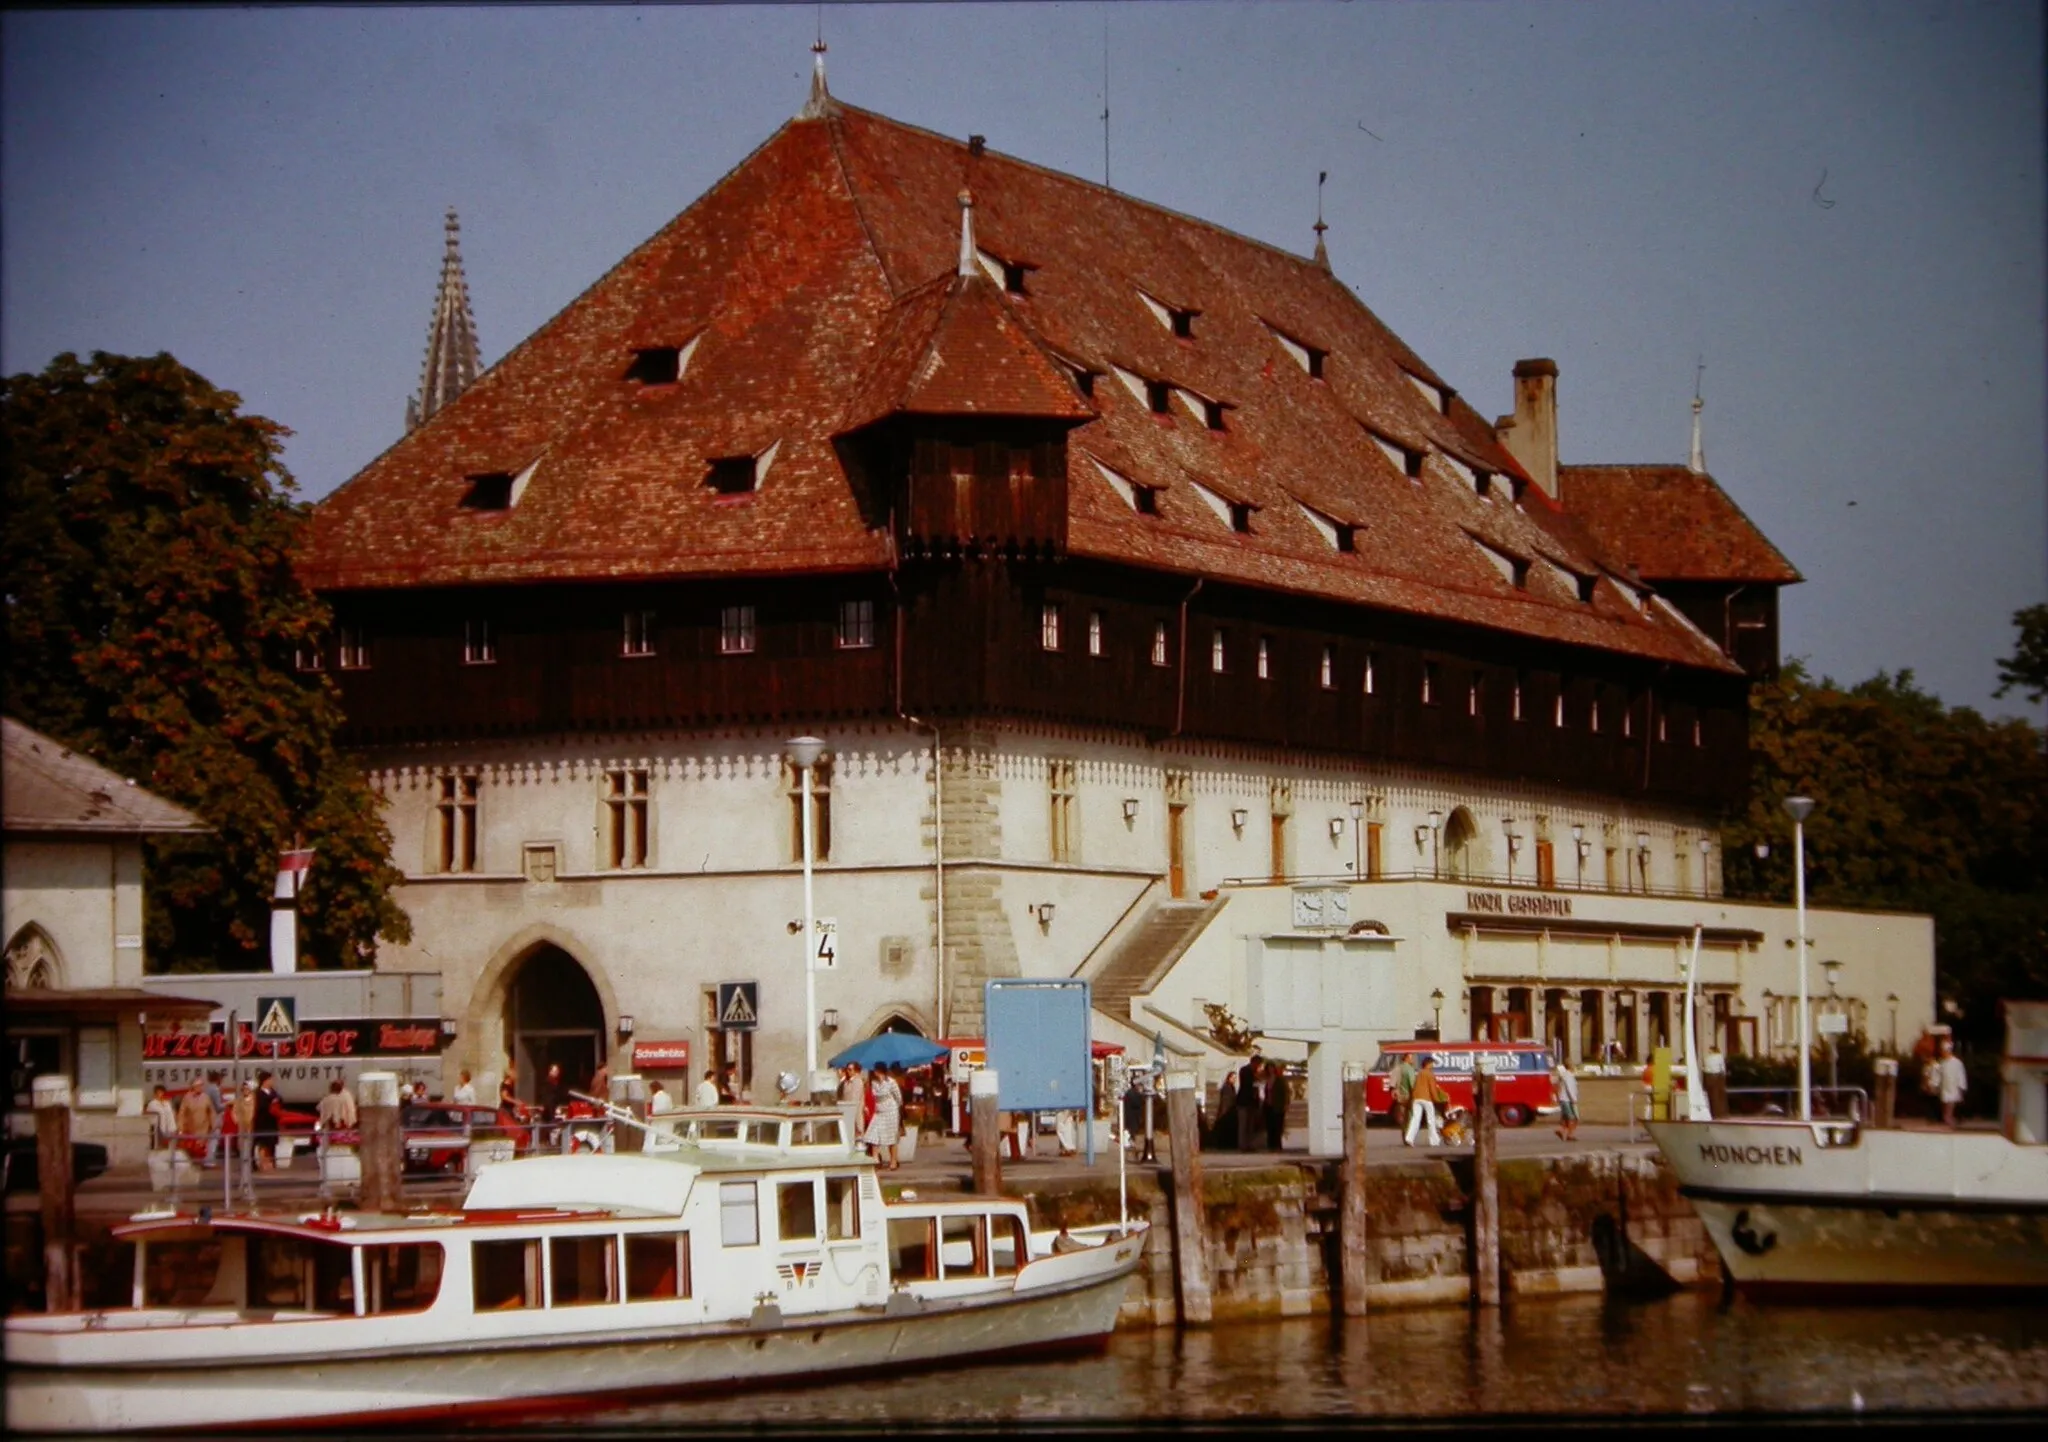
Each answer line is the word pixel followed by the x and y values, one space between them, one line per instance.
pixel 1842 1103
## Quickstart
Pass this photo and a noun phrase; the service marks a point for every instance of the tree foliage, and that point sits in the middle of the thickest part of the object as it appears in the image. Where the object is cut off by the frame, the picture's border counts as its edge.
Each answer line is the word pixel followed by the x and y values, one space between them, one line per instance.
pixel 153 616
pixel 2026 669
pixel 1920 807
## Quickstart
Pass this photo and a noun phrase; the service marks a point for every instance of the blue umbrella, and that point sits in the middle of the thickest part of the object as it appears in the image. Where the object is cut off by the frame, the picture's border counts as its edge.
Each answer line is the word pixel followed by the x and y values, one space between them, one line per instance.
pixel 888 1048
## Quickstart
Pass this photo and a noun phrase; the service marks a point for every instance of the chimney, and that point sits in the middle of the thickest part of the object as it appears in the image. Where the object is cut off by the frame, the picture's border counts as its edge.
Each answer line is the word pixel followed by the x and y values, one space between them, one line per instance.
pixel 1530 435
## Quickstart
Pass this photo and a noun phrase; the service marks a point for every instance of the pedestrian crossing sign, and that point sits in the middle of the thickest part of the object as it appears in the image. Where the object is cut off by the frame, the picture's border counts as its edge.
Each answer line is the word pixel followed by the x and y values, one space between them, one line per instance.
pixel 277 1018
pixel 739 1005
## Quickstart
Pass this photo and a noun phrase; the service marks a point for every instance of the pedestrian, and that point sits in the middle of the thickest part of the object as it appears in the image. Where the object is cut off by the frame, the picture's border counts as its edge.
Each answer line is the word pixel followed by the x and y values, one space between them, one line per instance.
pixel 1224 1134
pixel 601 1082
pixel 1954 1082
pixel 337 1110
pixel 241 1117
pixel 465 1090
pixel 1276 1100
pixel 1404 1089
pixel 707 1091
pixel 659 1101
pixel 220 1100
pixel 198 1123
pixel 849 1083
pixel 163 1120
pixel 1249 1097
pixel 885 1127
pixel 1567 1100
pixel 266 1116
pixel 1425 1103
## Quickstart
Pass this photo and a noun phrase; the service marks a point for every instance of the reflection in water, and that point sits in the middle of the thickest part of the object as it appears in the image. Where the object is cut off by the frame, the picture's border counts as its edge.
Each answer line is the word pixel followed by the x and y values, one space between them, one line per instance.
pixel 1687 1353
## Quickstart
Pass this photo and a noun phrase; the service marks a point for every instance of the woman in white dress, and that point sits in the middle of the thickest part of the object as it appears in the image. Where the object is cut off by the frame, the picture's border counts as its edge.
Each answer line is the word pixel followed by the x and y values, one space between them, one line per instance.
pixel 886 1127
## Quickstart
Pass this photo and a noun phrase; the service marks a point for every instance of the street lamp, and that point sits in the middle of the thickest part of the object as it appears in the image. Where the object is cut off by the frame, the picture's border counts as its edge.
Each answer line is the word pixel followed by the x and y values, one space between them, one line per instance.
pixel 1436 820
pixel 1357 841
pixel 1507 824
pixel 1799 808
pixel 1579 846
pixel 1832 968
pixel 1892 1000
pixel 803 754
pixel 1436 999
pixel 1643 857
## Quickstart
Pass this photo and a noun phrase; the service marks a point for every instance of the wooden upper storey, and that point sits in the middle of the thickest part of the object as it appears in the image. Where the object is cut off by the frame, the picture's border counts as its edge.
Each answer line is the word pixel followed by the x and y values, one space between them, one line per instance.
pixel 798 377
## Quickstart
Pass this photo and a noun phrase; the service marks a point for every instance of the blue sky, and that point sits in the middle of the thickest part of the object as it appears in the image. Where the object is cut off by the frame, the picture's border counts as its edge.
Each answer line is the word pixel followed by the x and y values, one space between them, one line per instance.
pixel 1838 206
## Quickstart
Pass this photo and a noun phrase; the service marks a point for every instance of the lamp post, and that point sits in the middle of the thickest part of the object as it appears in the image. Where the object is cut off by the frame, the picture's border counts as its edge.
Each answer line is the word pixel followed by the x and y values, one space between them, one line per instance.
pixel 1436 1000
pixel 1832 968
pixel 1507 824
pixel 1799 808
pixel 1643 858
pixel 1358 841
pixel 1892 1000
pixel 1579 846
pixel 803 754
pixel 1436 819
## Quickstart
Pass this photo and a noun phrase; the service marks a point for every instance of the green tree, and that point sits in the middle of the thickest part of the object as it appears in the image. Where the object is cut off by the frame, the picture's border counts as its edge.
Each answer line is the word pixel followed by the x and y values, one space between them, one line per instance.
pixel 1920 807
pixel 2027 667
pixel 153 618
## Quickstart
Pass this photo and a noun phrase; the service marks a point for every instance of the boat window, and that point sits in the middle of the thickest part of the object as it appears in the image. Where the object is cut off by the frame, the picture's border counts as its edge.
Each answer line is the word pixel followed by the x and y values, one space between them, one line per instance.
pixel 815 1132
pixel 963 1247
pixel 1007 1247
pixel 739 1219
pixel 718 1129
pixel 180 1274
pixel 657 1266
pixel 582 1271
pixel 404 1277
pixel 912 1257
pixel 506 1275
pixel 842 1208
pixel 796 1210
pixel 288 1273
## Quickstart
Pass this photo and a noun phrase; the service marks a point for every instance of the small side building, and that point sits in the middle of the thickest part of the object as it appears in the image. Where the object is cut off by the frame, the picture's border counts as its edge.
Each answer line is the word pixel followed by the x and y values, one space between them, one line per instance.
pixel 73 888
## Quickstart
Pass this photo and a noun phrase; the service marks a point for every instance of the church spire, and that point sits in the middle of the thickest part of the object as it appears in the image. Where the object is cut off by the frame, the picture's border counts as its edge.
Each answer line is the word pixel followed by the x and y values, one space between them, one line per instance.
pixel 451 363
pixel 1698 464
pixel 1322 252
pixel 820 103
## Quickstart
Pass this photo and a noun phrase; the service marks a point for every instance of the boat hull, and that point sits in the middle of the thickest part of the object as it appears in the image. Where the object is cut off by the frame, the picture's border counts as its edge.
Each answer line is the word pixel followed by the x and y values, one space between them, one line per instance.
pixel 1828 1209
pixel 544 1375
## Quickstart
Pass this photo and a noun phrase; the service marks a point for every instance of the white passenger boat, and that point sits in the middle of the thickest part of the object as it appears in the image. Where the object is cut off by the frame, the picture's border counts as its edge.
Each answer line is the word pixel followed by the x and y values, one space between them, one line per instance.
pixel 752 1245
pixel 1826 1207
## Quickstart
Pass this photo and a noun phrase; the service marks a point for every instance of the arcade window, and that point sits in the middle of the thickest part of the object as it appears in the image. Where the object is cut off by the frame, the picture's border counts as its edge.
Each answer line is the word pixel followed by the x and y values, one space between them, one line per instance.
pixel 735 630
pixel 1216 658
pixel 479 648
pixel 1557 707
pixel 455 821
pixel 821 810
pixel 1159 643
pixel 1328 675
pixel 308 658
pixel 1698 738
pixel 1429 687
pixel 1049 627
pixel 638 637
pixel 1060 782
pixel 1515 699
pixel 1367 685
pixel 625 805
pixel 1265 659
pixel 856 625
pixel 1472 690
pixel 1095 633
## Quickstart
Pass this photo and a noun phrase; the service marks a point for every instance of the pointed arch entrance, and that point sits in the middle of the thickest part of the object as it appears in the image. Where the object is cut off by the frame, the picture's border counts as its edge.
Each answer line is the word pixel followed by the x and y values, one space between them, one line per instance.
pixel 552 1015
pixel 1460 831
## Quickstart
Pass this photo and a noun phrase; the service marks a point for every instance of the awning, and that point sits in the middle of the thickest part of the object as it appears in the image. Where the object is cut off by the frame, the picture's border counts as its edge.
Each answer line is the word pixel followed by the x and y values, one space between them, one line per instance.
pixel 1097 1050
pixel 104 1002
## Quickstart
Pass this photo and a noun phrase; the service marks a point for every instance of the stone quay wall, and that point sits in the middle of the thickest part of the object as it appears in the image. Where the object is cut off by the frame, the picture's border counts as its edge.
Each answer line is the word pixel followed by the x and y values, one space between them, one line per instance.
pixel 1584 1223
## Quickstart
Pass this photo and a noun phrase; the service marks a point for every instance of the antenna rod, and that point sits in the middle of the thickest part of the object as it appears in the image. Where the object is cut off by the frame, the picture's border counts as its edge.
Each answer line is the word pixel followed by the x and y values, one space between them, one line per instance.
pixel 1105 103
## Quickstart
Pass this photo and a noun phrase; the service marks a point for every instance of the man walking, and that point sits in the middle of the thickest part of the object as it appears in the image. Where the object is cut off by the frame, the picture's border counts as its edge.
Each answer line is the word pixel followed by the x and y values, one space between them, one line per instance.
pixel 1425 1103
pixel 1567 1100
pixel 1250 1095
pixel 1404 1089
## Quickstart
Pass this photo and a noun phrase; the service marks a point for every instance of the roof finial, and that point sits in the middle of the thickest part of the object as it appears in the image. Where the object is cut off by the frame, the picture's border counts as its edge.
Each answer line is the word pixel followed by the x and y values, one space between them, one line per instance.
pixel 967 250
pixel 1698 464
pixel 1322 255
pixel 821 98
pixel 451 363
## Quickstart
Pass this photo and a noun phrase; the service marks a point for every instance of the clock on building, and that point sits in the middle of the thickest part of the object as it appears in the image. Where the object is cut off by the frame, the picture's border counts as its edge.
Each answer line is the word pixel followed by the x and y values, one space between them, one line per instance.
pixel 1318 908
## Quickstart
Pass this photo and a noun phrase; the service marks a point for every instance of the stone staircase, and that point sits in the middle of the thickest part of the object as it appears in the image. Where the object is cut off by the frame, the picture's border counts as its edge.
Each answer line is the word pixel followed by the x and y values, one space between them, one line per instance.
pixel 1145 953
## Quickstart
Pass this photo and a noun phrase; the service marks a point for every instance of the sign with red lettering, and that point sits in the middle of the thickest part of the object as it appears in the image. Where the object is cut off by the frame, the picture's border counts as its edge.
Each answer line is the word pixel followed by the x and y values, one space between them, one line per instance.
pixel 661 1056
pixel 351 1037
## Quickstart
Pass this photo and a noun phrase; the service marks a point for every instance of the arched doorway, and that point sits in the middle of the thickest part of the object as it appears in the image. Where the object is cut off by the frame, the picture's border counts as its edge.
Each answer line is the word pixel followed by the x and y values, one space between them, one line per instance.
pixel 1459 832
pixel 552 1016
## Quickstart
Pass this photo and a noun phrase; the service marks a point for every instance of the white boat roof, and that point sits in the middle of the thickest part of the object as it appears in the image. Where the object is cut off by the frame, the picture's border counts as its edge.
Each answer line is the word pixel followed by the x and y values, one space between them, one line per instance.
pixel 606 1181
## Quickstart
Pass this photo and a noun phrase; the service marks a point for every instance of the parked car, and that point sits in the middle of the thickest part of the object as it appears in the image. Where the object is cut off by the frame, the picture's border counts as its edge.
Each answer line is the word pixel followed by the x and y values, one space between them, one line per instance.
pixel 88 1160
pixel 436 1135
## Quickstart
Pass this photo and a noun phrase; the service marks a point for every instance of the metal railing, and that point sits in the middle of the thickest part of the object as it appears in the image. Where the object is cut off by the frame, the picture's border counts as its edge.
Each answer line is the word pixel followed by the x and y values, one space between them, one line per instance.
pixel 1524 879
pixel 1840 1103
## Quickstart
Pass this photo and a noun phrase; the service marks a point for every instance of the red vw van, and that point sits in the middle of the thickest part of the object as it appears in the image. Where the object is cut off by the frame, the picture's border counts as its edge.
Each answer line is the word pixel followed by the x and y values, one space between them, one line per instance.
pixel 1521 1076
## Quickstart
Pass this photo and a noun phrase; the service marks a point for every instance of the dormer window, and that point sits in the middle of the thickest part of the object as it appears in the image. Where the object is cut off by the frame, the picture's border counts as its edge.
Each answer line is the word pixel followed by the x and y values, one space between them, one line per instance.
pixel 1241 517
pixel 1408 458
pixel 1182 324
pixel 657 365
pixel 731 475
pixel 1513 569
pixel 1178 320
pixel 1009 274
pixel 1309 358
pixel 1482 483
pixel 479 646
pixel 491 491
pixel 1212 413
pixel 1438 396
pixel 1158 397
pixel 1145 499
pixel 1342 535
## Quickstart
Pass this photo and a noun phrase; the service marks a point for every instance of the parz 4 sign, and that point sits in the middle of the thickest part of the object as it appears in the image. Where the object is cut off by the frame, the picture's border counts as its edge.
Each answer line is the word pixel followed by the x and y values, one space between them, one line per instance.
pixel 827 953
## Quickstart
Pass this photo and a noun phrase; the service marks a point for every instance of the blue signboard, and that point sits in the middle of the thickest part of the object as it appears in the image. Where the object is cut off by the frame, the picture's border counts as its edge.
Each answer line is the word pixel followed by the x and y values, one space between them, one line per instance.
pixel 1038 1045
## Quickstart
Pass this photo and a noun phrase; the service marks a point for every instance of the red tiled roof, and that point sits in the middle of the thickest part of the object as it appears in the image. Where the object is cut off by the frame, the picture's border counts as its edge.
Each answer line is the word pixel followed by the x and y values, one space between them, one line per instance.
pixel 818 278
pixel 1671 523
